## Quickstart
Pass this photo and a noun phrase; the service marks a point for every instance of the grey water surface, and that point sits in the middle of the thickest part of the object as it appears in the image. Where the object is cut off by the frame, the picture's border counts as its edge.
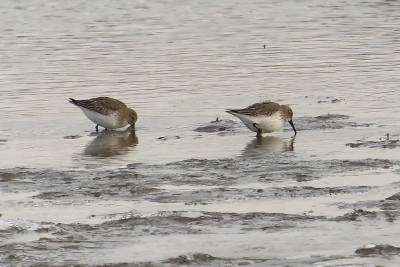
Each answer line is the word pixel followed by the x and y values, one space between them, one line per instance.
pixel 191 185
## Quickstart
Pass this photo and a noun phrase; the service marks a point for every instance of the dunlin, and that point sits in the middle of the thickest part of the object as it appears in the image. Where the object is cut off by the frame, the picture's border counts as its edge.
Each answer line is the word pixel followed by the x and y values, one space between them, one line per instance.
pixel 107 112
pixel 264 117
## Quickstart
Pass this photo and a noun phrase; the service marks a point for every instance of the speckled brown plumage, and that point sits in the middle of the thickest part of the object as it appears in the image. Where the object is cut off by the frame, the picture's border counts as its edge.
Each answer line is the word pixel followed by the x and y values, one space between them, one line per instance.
pixel 111 113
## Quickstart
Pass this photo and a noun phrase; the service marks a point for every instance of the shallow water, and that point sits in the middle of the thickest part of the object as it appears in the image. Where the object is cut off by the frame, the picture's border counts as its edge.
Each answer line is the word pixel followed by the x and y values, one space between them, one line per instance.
pixel 192 185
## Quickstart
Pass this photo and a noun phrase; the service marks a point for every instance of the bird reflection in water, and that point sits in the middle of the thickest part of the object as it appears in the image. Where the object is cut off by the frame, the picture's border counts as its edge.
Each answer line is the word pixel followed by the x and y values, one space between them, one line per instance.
pixel 269 144
pixel 111 143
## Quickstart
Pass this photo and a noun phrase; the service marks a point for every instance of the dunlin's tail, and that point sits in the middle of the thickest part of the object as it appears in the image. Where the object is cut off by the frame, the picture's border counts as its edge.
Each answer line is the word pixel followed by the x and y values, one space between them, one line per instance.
pixel 232 111
pixel 80 103
pixel 73 101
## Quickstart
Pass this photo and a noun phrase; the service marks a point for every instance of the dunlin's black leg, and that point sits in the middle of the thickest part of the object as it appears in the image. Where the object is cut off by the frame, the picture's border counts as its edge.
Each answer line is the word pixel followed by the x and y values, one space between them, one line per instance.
pixel 97 128
pixel 259 131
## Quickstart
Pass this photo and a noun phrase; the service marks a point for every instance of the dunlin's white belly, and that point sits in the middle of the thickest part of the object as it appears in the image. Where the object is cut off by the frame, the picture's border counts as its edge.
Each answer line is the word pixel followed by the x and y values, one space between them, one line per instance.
pixel 109 121
pixel 267 124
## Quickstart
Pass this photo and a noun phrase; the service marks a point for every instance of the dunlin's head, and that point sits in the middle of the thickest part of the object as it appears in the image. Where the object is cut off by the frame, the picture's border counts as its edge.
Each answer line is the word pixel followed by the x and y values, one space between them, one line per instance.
pixel 132 117
pixel 288 115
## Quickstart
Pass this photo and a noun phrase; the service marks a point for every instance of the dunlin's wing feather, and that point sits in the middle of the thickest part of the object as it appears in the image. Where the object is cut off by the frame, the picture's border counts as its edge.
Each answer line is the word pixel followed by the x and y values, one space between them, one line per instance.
pixel 102 105
pixel 259 109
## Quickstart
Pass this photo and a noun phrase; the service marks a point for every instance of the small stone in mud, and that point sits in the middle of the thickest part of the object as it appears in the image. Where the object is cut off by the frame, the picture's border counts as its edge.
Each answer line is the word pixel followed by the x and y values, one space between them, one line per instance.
pixel 72 137
pixel 394 197
pixel 97 194
pixel 355 215
pixel 8 176
pixel 12 257
pixel 354 145
pixel 210 129
pixel 133 165
pixel 384 250
pixel 195 203
pixel 165 138
pixel 300 177
pixel 216 126
pixel 197 258
pixel 376 144
pixel 332 117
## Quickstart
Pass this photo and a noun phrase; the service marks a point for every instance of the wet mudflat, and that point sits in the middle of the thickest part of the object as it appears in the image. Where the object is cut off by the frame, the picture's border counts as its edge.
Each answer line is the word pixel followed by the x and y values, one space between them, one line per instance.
pixel 265 215
pixel 191 185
